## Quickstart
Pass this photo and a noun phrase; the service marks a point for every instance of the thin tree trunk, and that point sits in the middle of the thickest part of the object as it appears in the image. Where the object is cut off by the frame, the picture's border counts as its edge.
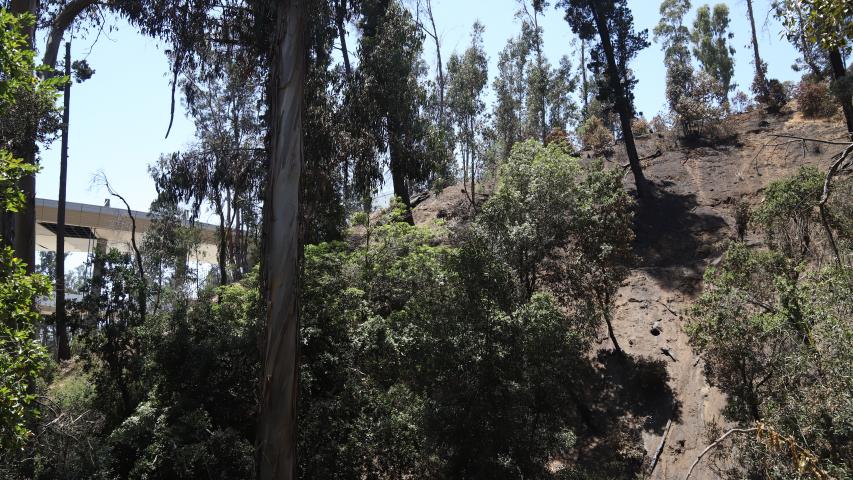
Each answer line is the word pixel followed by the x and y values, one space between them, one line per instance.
pixel 621 104
pixel 759 66
pixel 584 84
pixel 63 350
pixel 340 18
pixel 277 423
pixel 441 83
pixel 398 176
pixel 222 251
pixel 844 97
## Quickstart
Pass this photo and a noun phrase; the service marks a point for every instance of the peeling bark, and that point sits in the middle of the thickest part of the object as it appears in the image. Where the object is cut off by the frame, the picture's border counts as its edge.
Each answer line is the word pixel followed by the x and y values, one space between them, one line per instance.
pixel 277 426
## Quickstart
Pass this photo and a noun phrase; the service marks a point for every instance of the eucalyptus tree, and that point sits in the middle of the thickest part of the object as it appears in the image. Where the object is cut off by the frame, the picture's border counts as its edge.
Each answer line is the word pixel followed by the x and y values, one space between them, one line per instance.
pixel 613 24
pixel 532 97
pixel 710 37
pixel 674 38
pixel 759 82
pixel 392 98
pixel 221 170
pixel 467 77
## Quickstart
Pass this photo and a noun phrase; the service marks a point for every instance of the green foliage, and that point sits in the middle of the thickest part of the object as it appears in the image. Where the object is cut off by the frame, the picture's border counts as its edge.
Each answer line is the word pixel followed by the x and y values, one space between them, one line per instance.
pixel 532 97
pixel 467 75
pixel 595 135
pixel 789 216
pixel 21 356
pixel 553 219
pixel 826 22
pixel 11 171
pixel 27 105
pixel 618 43
pixel 777 96
pixel 710 37
pixel 779 342
pixel 409 350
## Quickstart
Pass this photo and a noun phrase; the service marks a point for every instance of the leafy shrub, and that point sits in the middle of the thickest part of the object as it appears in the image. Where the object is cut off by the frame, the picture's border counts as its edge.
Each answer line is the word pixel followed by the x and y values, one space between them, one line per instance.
pixel 699 112
pixel 640 126
pixel 409 351
pixel 595 135
pixel 779 342
pixel 815 100
pixel 777 96
pixel 788 214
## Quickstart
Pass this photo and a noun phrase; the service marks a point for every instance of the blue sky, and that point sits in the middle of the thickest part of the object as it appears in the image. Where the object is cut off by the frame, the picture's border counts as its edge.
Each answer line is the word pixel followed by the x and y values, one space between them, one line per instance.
pixel 119 117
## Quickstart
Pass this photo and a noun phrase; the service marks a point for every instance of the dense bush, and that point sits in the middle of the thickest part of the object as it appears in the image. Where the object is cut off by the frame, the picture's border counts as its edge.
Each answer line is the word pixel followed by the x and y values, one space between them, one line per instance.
pixel 788 215
pixel 431 361
pixel 779 342
pixel 815 100
pixel 413 365
pixel 777 96
pixel 594 135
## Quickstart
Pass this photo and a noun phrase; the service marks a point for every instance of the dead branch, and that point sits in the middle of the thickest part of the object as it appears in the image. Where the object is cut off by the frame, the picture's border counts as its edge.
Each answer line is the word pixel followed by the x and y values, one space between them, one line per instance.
pixel 807 139
pixel 668 308
pixel 715 444
pixel 833 169
pixel 141 269
pixel 660 447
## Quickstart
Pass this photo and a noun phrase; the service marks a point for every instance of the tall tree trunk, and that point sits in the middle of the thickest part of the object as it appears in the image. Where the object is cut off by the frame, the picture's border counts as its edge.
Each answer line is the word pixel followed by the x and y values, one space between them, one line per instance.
pixel 277 424
pixel 398 174
pixel 24 226
pixel 222 250
pixel 845 98
pixel 340 18
pixel 760 75
pixel 441 82
pixel 584 84
pixel 63 350
pixel 621 104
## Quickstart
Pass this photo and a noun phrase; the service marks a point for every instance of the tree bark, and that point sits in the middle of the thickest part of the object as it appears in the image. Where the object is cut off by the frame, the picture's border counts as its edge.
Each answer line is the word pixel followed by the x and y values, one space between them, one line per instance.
pixel 63 350
pixel 622 106
pixel 24 222
pixel 441 82
pixel 398 175
pixel 340 17
pixel 60 24
pixel 845 97
pixel 584 85
pixel 277 425
pixel 759 66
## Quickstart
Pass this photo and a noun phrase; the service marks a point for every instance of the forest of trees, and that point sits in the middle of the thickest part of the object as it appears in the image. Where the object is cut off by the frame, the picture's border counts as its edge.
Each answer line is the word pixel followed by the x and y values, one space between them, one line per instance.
pixel 337 339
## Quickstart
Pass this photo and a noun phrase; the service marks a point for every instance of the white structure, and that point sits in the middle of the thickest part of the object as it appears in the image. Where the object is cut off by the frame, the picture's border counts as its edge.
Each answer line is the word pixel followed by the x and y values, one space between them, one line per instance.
pixel 86 224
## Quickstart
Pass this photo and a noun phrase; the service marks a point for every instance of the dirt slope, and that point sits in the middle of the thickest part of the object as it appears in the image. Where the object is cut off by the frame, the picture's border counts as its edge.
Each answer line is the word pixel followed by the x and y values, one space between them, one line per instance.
pixel 662 391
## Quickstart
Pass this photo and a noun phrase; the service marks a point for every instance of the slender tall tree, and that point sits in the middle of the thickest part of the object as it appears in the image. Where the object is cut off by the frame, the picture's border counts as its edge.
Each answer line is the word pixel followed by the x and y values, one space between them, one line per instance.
pixel 710 36
pixel 613 24
pixel 759 83
pixel 467 77
pixel 63 351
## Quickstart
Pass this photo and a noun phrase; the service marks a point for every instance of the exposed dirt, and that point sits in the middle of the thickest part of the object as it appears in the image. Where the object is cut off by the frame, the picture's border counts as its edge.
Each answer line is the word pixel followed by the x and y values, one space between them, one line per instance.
pixel 661 391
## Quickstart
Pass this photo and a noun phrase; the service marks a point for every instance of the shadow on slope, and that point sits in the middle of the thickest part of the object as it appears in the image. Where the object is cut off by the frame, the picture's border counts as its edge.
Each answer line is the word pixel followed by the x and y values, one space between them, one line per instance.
pixel 669 234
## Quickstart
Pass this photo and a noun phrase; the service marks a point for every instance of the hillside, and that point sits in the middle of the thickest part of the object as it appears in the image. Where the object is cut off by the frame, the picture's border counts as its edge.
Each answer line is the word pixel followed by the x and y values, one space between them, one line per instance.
pixel 662 395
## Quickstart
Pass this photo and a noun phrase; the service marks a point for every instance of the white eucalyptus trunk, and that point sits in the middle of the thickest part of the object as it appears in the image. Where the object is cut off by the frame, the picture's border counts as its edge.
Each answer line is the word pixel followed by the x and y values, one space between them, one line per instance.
pixel 277 427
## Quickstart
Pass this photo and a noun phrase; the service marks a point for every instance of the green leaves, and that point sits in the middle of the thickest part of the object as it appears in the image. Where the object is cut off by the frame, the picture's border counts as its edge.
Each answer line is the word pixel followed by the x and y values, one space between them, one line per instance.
pixel 21 356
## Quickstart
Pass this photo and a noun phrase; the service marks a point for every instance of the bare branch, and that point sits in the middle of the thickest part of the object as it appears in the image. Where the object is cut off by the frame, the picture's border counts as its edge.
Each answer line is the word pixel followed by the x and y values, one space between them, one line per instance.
pixel 715 444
